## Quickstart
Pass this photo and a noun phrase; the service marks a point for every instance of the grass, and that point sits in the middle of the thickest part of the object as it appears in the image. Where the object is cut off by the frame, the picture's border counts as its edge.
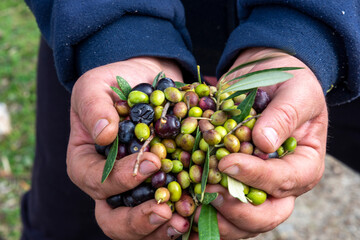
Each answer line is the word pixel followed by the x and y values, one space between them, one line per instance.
pixel 19 38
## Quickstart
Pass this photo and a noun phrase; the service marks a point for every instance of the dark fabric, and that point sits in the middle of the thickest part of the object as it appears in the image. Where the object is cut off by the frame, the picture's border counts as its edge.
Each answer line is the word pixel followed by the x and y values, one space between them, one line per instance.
pixel 344 133
pixel 322 33
pixel 54 209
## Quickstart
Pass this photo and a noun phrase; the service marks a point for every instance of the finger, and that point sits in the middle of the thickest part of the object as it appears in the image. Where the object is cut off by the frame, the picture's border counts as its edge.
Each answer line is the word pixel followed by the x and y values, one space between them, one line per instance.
pixel 292 175
pixel 92 101
pixel 173 229
pixel 85 169
pixel 294 102
pixel 249 218
pixel 131 223
pixel 227 229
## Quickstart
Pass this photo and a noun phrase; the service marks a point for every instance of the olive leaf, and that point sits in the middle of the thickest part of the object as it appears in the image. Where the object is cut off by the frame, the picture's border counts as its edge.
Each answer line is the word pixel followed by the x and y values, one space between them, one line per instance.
pixel 237 93
pixel 236 189
pixel 119 93
pixel 205 174
pixel 247 64
pixel 123 85
pixel 159 76
pixel 180 84
pixel 259 79
pixel 245 106
pixel 208 223
pixel 110 160
pixel 208 197
pixel 282 69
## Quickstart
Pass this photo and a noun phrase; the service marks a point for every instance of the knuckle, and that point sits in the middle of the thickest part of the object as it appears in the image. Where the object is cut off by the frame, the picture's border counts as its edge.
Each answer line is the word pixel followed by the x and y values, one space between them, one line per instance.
pixel 284 189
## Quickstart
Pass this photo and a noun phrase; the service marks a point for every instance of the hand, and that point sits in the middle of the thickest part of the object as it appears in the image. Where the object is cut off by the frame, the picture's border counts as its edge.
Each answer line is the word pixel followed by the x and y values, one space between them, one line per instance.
pixel 95 120
pixel 297 109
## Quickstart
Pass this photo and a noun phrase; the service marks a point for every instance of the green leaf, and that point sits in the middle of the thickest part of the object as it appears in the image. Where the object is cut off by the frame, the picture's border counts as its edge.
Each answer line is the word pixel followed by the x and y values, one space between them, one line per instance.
pixel 124 85
pixel 208 223
pixel 208 197
pixel 264 71
pixel 180 84
pixel 119 93
pixel 205 174
pixel 238 93
pixel 261 79
pixel 245 106
pixel 236 189
pixel 110 160
pixel 247 64
pixel 159 76
pixel 187 234
pixel 197 139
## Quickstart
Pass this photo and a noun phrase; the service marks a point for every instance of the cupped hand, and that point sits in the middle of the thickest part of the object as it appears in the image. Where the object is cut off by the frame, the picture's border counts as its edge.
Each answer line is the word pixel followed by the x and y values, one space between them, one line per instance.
pixel 95 120
pixel 297 109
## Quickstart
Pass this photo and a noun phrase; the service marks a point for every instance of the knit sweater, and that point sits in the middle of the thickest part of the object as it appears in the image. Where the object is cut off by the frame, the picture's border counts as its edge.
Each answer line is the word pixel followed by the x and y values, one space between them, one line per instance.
pixel 324 34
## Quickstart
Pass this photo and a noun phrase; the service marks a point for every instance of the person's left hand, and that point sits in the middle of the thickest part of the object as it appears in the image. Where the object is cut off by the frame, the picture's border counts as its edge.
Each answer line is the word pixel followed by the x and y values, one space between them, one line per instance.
pixel 297 109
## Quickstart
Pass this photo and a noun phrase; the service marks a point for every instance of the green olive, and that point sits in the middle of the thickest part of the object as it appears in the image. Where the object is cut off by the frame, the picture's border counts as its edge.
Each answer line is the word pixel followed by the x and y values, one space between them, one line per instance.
pixel 280 151
pixel 157 97
pixel 166 165
pixel 290 144
pixel 197 188
pixel 142 131
pixel 224 180
pixel 136 97
pixel 202 90
pixel 173 94
pixel 250 124
pixel 256 196
pixel 175 191
pixel 230 124
pixel 195 112
pixel 177 166
pixel 221 152
pixel 162 195
pixel 198 157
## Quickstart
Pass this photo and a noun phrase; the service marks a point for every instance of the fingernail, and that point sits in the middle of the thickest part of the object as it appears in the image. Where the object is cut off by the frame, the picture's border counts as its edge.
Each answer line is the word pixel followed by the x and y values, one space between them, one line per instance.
pixel 147 167
pixel 232 170
pixel 99 126
pixel 271 135
pixel 173 233
pixel 155 219
pixel 219 200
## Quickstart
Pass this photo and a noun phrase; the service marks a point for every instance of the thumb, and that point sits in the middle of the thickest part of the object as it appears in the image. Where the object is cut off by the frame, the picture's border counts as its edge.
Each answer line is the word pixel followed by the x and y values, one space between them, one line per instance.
pixel 294 103
pixel 93 103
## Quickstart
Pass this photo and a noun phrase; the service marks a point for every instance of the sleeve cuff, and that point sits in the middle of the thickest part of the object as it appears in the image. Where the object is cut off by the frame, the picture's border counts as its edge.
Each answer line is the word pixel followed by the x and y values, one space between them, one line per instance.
pixel 133 36
pixel 313 42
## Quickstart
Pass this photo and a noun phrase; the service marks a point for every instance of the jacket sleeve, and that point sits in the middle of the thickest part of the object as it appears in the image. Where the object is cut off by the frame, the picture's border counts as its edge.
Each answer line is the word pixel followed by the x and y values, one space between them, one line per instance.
pixel 85 34
pixel 324 34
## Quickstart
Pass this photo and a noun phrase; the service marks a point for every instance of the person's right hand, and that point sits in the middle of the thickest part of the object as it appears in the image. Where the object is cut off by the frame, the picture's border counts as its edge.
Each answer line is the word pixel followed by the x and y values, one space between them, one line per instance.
pixel 95 120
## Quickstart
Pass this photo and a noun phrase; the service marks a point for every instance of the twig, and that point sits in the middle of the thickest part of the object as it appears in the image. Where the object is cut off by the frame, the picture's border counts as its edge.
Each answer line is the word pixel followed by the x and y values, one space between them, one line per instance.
pixel 141 152
pixel 164 112
pixel 242 123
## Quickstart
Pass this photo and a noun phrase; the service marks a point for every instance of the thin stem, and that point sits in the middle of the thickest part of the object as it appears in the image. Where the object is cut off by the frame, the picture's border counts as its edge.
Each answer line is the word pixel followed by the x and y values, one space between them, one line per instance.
pixel 164 112
pixel 141 152
pixel 242 123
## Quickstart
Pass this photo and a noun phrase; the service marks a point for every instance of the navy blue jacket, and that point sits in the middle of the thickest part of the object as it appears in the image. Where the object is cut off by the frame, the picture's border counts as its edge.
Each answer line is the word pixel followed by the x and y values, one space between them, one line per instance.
pixel 322 33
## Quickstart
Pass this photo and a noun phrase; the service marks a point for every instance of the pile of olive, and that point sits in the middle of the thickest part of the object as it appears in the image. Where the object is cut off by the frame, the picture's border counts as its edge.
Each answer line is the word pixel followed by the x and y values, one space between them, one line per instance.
pixel 171 117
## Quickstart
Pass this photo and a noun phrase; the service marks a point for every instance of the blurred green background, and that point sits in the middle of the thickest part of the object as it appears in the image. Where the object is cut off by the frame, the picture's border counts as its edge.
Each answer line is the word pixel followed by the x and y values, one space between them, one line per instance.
pixel 19 38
